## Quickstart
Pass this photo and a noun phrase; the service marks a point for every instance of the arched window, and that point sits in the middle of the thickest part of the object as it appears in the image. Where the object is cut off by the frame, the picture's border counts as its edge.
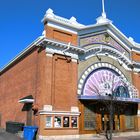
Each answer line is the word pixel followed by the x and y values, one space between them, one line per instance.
pixel 105 81
pixel 121 91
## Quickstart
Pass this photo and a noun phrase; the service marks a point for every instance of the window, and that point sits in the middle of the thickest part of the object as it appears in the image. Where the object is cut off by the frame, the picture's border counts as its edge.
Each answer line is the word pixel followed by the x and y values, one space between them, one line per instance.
pixel 65 121
pixel 49 122
pixel 89 118
pixel 74 122
pixel 129 122
pixel 57 121
pixel 61 122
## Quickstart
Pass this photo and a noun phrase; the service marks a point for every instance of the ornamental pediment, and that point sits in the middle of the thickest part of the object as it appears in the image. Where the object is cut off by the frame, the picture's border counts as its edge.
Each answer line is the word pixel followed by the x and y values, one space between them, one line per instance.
pixel 105 39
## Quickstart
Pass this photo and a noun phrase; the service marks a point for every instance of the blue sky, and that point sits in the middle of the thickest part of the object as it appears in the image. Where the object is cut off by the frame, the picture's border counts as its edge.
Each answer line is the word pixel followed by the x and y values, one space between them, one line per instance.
pixel 20 20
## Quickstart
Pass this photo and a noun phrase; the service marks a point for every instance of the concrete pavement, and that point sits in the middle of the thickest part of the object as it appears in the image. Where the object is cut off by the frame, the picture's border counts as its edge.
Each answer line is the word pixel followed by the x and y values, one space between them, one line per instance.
pixel 116 136
pixel 8 136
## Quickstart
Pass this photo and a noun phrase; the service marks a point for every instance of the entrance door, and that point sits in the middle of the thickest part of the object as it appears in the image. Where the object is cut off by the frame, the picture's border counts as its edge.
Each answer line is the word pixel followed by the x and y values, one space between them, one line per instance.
pixel 105 122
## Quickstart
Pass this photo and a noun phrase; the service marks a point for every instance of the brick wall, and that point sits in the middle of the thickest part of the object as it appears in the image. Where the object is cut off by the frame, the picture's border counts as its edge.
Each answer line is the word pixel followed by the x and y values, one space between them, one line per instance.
pixel 15 83
pixel 136 56
pixel 64 93
pixel 61 73
pixel 50 80
pixel 60 35
pixel 136 76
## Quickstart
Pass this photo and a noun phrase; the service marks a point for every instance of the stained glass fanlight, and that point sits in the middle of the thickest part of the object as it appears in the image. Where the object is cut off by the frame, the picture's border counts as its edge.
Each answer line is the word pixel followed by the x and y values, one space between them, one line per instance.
pixel 105 82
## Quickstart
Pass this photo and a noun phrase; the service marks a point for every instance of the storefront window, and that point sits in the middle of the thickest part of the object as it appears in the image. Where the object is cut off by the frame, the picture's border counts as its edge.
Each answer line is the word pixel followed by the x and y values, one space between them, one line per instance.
pixel 89 118
pixel 57 121
pixel 129 122
pixel 65 121
pixel 74 122
pixel 48 122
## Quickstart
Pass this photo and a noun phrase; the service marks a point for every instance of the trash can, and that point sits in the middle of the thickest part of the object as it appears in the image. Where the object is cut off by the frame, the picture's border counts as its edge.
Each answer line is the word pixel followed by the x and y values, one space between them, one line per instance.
pixel 14 127
pixel 29 132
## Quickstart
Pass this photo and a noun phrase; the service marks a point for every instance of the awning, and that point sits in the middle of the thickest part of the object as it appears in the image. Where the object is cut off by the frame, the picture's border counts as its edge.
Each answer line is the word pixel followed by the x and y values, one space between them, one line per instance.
pixel 27 99
pixel 108 98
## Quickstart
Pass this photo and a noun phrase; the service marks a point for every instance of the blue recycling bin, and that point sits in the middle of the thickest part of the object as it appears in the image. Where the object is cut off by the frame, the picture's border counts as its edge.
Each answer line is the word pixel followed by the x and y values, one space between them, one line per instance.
pixel 29 132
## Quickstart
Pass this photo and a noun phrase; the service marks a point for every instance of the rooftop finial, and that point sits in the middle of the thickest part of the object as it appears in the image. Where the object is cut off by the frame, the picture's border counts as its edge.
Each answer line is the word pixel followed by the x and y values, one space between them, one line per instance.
pixel 103 9
pixel 102 19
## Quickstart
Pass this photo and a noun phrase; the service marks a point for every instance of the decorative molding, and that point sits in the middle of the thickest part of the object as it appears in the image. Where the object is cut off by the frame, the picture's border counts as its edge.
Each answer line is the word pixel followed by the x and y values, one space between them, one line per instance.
pixel 44 112
pixel 101 20
pixel 50 16
pixel 74 109
pixel 73 26
pixel 104 39
pixel 47 107
pixel 62 45
pixel 74 60
pixel 108 52
pixel 75 52
pixel 117 39
pixel 57 50
pixel 49 54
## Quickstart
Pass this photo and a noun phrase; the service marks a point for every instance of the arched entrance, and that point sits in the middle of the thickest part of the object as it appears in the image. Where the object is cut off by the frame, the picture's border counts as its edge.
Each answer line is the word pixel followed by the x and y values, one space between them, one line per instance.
pixel 101 86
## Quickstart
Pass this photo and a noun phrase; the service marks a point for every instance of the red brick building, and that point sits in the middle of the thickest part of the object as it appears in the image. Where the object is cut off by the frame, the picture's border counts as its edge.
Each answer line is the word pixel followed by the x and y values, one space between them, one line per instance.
pixel 63 82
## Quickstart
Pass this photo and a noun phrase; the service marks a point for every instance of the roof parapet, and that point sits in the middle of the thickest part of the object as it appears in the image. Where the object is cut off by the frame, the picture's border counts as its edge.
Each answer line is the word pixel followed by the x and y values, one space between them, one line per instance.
pixel 50 16
pixel 137 45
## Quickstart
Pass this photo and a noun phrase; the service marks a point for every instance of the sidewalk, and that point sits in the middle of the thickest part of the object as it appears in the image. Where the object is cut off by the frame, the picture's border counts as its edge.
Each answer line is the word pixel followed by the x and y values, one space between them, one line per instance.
pixel 116 136
pixel 8 136
pixel 126 134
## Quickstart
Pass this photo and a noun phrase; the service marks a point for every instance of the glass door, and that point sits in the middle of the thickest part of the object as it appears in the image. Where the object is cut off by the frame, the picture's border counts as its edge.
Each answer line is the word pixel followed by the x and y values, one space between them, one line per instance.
pixel 105 122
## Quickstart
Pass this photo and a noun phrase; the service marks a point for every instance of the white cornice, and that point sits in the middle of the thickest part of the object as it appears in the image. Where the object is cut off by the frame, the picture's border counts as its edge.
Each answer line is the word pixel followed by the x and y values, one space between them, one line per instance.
pixel 122 36
pixel 62 45
pixel 43 112
pixel 73 26
pixel 56 50
pixel 53 46
pixel 50 16
pixel 118 40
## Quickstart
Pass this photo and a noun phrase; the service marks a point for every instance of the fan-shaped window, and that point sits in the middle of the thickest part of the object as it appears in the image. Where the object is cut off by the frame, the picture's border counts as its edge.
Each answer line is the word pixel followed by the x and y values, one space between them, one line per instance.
pixel 105 81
